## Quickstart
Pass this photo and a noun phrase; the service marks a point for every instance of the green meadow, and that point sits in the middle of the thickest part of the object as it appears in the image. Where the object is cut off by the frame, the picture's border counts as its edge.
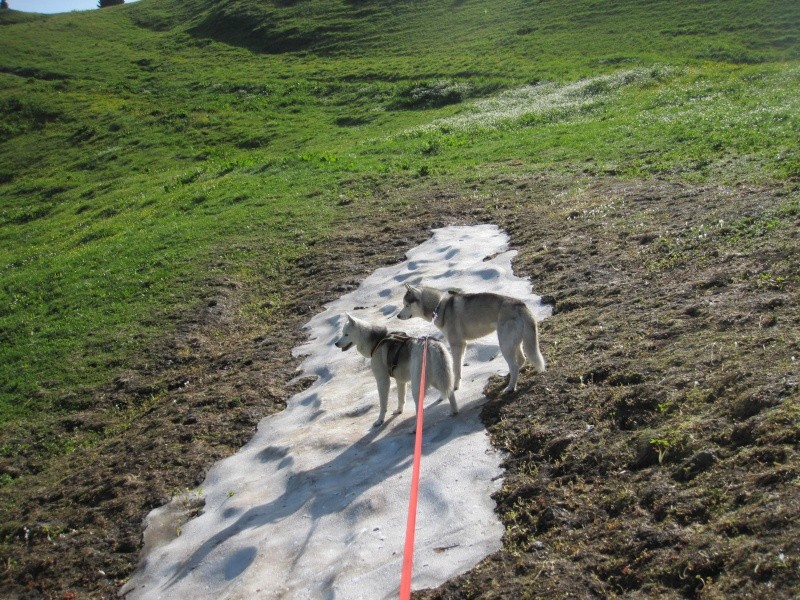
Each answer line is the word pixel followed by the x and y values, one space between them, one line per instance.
pixel 147 147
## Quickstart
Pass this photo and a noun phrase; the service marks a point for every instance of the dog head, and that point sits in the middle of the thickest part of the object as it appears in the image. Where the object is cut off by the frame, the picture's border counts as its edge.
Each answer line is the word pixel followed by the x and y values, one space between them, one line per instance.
pixel 349 334
pixel 412 304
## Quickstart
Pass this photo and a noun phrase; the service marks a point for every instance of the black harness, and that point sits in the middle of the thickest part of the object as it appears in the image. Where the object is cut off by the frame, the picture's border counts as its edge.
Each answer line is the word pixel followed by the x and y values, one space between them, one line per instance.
pixel 398 339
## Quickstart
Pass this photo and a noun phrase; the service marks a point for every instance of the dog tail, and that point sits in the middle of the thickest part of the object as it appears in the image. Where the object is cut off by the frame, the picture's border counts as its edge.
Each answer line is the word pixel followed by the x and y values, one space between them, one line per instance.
pixel 441 372
pixel 440 367
pixel 530 340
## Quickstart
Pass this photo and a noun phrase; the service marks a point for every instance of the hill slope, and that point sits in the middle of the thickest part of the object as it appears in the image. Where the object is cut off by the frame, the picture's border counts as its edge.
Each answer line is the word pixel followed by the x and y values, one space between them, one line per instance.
pixel 172 175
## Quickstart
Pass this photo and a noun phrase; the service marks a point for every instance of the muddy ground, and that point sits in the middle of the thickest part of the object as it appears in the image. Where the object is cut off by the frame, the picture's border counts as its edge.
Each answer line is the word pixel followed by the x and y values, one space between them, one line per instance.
pixel 657 456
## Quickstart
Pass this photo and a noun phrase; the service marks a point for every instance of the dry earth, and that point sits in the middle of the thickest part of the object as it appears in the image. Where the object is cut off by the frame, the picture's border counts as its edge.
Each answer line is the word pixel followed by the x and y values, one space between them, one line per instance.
pixel 657 457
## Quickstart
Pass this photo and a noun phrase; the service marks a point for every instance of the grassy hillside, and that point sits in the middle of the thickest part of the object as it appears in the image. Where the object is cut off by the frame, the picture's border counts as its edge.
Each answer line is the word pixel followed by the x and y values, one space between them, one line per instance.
pixel 141 142
pixel 155 153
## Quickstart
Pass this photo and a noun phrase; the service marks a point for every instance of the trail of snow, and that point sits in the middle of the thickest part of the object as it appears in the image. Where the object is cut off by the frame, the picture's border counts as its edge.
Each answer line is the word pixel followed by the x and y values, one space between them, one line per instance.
pixel 314 506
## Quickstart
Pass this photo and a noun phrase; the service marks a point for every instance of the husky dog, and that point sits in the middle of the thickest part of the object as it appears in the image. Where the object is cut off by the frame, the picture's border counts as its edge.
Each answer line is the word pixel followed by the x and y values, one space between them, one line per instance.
pixel 463 317
pixel 398 355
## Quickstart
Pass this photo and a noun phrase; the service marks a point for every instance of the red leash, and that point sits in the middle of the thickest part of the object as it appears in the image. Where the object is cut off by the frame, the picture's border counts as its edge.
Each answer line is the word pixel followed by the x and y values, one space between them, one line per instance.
pixel 408 554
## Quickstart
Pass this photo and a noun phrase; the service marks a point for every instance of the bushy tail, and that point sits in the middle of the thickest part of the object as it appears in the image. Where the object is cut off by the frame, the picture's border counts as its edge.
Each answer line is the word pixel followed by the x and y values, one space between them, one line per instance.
pixel 530 340
pixel 441 373
pixel 440 367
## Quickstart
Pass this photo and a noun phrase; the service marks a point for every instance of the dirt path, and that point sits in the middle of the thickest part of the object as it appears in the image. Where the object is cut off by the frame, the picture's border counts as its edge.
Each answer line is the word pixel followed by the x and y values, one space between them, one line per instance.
pixel 657 457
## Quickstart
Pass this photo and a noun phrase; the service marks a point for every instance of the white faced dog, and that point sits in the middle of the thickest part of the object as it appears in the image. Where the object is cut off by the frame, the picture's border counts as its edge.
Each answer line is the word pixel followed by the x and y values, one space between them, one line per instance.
pixel 400 356
pixel 462 317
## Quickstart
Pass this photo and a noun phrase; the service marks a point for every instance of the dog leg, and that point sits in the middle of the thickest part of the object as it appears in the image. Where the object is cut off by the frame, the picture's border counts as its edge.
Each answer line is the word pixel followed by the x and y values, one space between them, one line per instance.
pixel 521 358
pixel 401 397
pixel 458 349
pixel 453 404
pixel 383 396
pixel 510 351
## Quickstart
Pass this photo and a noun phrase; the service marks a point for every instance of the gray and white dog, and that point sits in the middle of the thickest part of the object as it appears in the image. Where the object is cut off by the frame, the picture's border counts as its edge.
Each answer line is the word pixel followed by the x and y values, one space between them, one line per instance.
pixel 395 354
pixel 462 317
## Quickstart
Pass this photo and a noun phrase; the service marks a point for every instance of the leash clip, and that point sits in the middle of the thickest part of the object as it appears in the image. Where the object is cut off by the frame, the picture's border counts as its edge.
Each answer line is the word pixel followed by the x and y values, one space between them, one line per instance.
pixel 435 313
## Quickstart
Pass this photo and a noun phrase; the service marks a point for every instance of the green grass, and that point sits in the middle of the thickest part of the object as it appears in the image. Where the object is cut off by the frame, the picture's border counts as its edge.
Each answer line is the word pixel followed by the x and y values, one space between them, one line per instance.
pixel 149 147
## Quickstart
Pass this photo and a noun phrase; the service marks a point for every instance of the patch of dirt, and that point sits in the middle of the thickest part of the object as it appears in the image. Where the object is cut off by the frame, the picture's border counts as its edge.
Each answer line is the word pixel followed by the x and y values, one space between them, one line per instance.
pixel 657 456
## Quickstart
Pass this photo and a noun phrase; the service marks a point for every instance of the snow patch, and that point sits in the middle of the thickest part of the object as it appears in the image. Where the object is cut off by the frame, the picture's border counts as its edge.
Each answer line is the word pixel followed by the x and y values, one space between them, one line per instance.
pixel 315 505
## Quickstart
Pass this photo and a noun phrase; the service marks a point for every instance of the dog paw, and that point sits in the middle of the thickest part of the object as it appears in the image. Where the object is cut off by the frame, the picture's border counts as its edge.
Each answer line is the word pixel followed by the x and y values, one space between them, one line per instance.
pixel 399 411
pixel 378 423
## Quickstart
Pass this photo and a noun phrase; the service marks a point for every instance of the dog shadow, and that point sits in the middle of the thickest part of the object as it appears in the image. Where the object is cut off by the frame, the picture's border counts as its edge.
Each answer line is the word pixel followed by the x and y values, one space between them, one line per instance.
pixel 331 488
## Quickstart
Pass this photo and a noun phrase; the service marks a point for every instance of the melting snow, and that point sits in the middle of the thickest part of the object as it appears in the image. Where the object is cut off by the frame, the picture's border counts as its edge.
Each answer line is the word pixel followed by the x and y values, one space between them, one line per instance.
pixel 315 505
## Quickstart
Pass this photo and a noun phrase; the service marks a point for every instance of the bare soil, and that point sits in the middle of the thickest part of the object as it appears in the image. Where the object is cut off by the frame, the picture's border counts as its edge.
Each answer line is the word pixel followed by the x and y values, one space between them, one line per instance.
pixel 657 456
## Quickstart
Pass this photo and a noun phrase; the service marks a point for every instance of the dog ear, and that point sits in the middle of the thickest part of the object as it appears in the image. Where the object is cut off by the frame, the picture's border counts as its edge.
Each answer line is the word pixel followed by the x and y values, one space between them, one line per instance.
pixel 349 317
